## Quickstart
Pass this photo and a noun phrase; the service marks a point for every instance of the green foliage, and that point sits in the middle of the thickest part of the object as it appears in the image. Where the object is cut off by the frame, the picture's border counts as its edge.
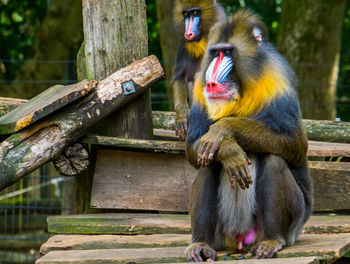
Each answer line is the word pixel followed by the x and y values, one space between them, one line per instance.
pixel 267 9
pixel 343 95
pixel 153 29
pixel 19 20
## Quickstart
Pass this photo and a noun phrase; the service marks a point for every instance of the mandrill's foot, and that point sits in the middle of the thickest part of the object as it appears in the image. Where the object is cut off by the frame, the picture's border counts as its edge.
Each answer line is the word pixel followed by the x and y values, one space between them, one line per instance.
pixel 199 252
pixel 181 130
pixel 266 249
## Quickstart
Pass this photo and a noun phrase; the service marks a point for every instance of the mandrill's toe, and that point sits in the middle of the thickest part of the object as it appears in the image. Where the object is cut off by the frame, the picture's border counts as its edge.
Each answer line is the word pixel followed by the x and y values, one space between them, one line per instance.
pixel 199 252
pixel 266 249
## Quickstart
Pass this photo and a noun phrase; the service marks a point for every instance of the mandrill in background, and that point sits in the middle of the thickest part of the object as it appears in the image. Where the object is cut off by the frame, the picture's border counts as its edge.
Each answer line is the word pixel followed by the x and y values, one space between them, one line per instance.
pixel 246 135
pixel 193 20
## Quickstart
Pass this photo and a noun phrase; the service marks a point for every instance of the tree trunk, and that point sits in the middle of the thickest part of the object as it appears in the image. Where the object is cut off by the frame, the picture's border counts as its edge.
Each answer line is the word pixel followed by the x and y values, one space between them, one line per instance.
pixel 115 34
pixel 168 41
pixel 57 39
pixel 309 36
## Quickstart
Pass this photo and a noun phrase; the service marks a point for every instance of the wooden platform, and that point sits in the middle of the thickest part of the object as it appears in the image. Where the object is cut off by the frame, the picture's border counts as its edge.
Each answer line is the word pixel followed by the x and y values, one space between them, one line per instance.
pixel 162 238
pixel 122 249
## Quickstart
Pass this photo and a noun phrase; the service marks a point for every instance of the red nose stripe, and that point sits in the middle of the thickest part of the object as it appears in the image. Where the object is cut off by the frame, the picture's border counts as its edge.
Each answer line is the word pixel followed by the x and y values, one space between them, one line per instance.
pixel 217 66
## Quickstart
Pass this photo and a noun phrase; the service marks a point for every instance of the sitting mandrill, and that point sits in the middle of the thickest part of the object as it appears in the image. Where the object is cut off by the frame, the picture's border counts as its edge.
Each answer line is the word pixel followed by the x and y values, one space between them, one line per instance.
pixel 193 19
pixel 246 133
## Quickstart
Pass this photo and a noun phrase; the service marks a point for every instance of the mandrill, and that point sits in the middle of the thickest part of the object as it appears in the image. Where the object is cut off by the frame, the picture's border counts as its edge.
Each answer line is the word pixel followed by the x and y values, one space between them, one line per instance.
pixel 246 135
pixel 193 20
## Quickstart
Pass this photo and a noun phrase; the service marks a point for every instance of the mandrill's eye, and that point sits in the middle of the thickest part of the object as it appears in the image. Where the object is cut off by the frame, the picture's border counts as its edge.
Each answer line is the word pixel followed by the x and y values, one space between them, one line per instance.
pixel 185 13
pixel 195 13
pixel 228 52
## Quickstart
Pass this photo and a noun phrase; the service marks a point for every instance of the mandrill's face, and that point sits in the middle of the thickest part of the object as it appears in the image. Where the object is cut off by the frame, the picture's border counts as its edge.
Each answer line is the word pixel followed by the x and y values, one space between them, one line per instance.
pixel 220 77
pixel 232 53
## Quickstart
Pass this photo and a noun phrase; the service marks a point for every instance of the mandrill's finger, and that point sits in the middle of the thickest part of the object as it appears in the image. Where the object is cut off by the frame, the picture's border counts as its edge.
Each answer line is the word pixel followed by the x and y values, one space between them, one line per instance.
pixel 212 151
pixel 232 178
pixel 245 177
pixel 206 154
pixel 201 151
pixel 240 181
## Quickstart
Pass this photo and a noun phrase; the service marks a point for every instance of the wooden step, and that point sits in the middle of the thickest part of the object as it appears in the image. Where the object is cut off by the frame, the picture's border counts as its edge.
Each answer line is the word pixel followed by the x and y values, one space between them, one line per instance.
pixel 306 260
pixel 327 247
pixel 147 224
pixel 160 255
pixel 85 242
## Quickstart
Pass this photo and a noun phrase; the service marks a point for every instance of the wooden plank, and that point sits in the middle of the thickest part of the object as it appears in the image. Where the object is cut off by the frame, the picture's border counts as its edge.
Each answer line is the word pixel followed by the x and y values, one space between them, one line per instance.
pixel 147 224
pixel 174 147
pixel 155 181
pixel 316 149
pixel 42 105
pixel 131 180
pixel 306 260
pixel 326 149
pixel 319 130
pixel 120 224
pixel 86 242
pixel 331 223
pixel 106 256
pixel 155 255
pixel 331 185
pixel 327 247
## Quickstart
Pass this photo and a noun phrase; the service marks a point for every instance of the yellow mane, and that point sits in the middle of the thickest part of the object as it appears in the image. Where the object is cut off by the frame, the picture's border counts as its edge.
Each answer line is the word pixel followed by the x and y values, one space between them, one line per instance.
pixel 197 48
pixel 256 94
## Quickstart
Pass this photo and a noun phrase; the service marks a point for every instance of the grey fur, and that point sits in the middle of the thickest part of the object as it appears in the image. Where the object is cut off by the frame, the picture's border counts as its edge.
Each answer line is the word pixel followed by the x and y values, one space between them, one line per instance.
pixel 236 206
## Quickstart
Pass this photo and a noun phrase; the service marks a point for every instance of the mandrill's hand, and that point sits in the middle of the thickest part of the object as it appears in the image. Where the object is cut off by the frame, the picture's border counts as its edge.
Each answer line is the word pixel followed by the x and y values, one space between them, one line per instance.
pixel 235 162
pixel 181 121
pixel 210 142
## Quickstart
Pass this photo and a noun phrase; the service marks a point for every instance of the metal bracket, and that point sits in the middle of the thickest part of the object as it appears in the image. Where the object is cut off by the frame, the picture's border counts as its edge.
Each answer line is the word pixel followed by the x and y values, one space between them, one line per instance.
pixel 128 87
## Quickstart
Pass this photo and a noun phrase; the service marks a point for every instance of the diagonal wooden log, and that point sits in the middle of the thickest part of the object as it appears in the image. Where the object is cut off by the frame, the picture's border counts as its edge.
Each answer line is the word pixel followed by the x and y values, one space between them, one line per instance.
pixel 29 149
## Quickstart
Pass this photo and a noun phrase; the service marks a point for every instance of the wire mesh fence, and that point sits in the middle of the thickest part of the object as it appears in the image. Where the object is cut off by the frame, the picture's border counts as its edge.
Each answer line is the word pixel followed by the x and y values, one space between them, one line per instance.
pixel 24 208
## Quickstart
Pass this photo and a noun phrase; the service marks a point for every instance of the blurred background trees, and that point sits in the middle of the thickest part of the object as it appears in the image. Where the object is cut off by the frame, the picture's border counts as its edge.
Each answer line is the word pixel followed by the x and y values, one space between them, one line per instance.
pixel 39 40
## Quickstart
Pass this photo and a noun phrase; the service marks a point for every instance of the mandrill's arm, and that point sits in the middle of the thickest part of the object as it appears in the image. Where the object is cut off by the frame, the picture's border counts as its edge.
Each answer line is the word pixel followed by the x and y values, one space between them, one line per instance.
pixel 255 136
pixel 181 107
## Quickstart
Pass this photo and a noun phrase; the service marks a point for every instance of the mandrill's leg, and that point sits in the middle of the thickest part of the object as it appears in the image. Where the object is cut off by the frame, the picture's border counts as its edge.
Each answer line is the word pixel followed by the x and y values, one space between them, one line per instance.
pixel 204 200
pixel 281 207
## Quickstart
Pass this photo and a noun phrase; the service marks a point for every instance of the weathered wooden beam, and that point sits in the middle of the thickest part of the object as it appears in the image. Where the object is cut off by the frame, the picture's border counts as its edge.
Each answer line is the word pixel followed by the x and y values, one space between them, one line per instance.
pixel 148 224
pixel 42 105
pixel 86 242
pixel 27 150
pixel 164 124
pixel 316 149
pixel 149 256
pixel 318 130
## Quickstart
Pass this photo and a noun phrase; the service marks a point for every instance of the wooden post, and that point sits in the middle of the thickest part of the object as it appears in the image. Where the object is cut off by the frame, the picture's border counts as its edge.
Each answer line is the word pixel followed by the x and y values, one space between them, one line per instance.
pixel 115 34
